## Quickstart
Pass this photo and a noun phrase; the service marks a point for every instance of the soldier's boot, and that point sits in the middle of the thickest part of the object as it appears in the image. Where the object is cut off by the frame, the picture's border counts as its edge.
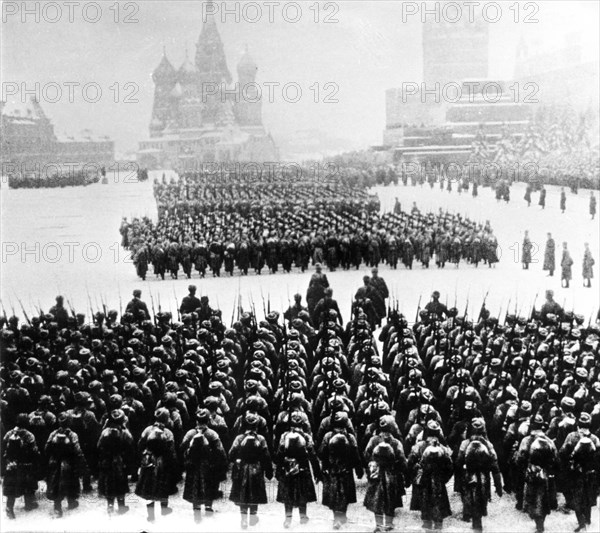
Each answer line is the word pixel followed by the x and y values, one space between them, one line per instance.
pixel 197 513
pixel 164 508
pixel 110 506
pixel 438 525
pixel 10 507
pixel 288 516
pixel 303 516
pixel 72 504
pixel 389 522
pixel 30 503
pixel 244 516
pixel 253 515
pixel 539 525
pixel 150 512
pixel 477 524
pixel 208 508
pixel 379 527
pixel 58 512
pixel 122 507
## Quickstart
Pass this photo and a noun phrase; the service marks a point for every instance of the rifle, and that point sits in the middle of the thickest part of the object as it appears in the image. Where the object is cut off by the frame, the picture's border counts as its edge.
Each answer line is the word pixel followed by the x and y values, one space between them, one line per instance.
pixel 483 306
pixel 152 304
pixel 233 308
pixel 418 308
pixel 120 303
pixel 91 308
pixel 23 309
pixel 176 305
pixel 3 312
pixel 263 302
pixel 533 306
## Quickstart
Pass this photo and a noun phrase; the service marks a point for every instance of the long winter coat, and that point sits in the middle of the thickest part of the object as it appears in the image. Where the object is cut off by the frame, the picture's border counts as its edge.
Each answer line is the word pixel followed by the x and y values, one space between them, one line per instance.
pixel 429 476
pixel 588 265
pixel 550 256
pixel 539 492
pixel 249 454
pixel 582 466
pixel 158 471
pixel 296 486
pixel 339 458
pixel 20 457
pixel 66 464
pixel 475 468
pixel 205 464
pixel 566 264
pixel 116 456
pixel 386 469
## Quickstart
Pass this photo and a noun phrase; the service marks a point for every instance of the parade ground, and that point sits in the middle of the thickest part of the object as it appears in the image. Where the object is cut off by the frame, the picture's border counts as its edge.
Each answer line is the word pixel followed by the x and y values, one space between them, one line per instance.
pixel 66 241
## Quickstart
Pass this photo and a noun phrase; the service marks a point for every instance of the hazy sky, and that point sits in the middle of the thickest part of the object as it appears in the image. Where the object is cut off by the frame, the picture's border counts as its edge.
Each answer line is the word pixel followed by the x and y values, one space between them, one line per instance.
pixel 368 50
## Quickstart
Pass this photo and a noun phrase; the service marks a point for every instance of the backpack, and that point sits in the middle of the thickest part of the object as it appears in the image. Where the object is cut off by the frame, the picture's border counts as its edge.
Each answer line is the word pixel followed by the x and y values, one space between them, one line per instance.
pixel 199 448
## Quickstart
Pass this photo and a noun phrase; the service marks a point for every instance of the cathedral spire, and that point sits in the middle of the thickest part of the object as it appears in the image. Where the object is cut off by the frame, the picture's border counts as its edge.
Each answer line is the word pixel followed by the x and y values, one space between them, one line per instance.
pixel 211 62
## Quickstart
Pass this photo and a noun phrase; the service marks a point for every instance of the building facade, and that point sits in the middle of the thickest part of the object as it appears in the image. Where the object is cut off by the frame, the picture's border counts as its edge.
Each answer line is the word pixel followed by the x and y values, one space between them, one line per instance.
pixel 28 144
pixel 201 115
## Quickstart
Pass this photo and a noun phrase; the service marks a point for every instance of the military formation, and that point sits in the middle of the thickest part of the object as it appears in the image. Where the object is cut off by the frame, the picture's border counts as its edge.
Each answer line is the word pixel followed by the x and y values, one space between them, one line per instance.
pixel 160 404
pixel 280 231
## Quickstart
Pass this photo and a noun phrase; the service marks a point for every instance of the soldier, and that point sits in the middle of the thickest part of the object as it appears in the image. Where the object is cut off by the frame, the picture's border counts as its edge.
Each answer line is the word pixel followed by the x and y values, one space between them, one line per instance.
pixel 430 465
pixel 580 455
pixel 380 286
pixel 205 463
pixel 325 305
pixel 550 307
pixel 295 456
pixel 20 458
pixel 251 461
pixel 66 464
pixel 550 255
pixel 527 196
pixel 189 303
pixel 316 288
pixel 116 456
pixel 385 474
pixel 526 251
pixel 158 470
pixel 435 307
pixel 475 462
pixel 593 204
pixel 294 310
pixel 563 200
pixel 566 263
pixel 537 457
pixel 59 313
pixel 542 200
pixel 339 458
pixel 588 266
pixel 136 305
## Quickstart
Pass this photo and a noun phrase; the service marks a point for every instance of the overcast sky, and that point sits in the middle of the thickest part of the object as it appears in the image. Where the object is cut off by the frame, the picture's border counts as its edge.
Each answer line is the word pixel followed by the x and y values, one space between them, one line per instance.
pixel 367 51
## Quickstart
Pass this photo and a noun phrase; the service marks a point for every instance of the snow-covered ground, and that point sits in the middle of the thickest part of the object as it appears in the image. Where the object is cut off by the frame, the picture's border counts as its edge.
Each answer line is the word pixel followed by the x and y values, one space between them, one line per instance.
pixel 67 241
pixel 81 224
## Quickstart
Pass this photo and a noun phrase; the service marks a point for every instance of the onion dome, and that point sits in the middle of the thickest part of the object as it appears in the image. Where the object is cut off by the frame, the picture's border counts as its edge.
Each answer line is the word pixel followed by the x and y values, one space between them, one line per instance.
pixel 165 72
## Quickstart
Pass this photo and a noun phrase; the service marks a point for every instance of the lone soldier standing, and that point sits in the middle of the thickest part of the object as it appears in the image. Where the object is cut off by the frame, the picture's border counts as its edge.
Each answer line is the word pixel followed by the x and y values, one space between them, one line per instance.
pixel 592 205
pixel 550 307
pixel 565 264
pixel 542 201
pixel 526 259
pixel 189 303
pixel 379 284
pixel 550 255
pixel 563 200
pixel 588 266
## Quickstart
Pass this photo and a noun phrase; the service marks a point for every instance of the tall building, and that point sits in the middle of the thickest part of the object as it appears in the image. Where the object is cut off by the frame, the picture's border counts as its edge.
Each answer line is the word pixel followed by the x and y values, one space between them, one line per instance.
pixel 200 115
pixel 455 51
pixel 452 52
